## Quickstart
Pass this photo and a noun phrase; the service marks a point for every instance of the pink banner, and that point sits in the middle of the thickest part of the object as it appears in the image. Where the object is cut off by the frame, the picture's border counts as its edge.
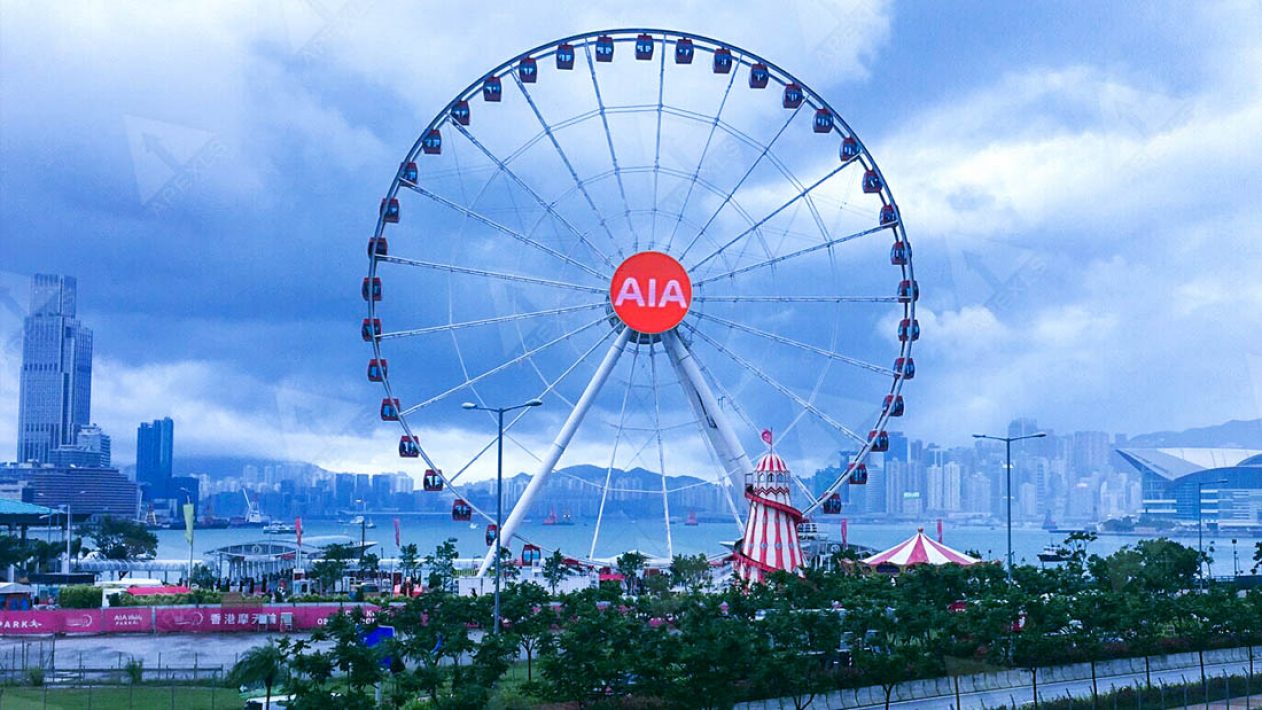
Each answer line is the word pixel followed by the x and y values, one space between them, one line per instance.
pixel 205 619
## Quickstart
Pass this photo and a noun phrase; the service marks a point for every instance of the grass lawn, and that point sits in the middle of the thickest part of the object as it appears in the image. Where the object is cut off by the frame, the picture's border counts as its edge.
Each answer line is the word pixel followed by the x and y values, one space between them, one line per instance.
pixel 143 697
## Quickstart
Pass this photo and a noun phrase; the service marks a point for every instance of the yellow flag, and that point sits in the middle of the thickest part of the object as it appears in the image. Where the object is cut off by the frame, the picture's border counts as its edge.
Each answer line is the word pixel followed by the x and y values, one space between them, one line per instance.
pixel 188 522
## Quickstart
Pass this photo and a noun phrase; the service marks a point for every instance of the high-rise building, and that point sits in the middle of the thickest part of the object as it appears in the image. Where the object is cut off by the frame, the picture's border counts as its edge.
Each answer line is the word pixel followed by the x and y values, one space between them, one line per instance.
pixel 155 445
pixel 55 397
pixel 90 449
pixel 1091 452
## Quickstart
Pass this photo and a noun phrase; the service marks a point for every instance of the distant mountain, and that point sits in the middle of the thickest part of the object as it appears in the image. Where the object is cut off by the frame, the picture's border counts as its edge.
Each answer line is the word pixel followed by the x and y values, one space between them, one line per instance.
pixel 1234 434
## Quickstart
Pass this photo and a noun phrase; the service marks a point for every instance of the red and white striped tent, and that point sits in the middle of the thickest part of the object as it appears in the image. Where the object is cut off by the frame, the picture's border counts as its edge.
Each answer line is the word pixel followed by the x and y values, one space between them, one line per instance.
pixel 920 549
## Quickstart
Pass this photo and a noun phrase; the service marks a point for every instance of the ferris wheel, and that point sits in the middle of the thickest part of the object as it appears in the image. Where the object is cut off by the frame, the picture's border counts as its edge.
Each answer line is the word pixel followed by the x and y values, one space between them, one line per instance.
pixel 671 242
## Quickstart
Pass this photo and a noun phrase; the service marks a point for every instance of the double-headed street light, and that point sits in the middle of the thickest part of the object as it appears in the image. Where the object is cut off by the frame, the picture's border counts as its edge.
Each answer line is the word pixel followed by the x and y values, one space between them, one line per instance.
pixel 1200 526
pixel 499 488
pixel 1007 442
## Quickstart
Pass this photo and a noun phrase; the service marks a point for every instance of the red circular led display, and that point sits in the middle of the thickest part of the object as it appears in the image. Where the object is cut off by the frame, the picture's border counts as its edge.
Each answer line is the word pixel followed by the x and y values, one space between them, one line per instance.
pixel 650 292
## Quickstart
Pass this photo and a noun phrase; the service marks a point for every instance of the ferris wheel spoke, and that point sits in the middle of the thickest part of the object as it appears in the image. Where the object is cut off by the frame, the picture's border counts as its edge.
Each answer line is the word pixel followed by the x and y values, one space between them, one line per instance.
pixel 613 453
pixel 452 268
pixel 487 321
pixel 750 171
pixel 798 344
pixel 791 255
pixel 501 367
pixel 613 155
pixel 549 389
pixel 661 450
pixel 778 386
pixel 479 217
pixel 657 141
pixel 549 208
pixel 795 299
pixel 801 194
pixel 604 223
pixel 696 173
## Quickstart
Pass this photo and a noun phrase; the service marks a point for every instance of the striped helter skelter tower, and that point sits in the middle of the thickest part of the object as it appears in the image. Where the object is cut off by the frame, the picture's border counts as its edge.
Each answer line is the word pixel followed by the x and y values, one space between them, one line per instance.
pixel 771 530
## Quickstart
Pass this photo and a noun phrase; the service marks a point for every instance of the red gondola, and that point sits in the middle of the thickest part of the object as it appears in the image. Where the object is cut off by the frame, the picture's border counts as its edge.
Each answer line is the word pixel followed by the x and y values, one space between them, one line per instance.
pixel 461 511
pixel 528 70
pixel 872 182
pixel 823 121
pixel 859 475
pixel 850 149
pixel 880 440
pixel 377 370
pixel 370 329
pixel 684 51
pixel 408 172
pixel 432 481
pixel 565 56
pixel 644 47
pixel 894 405
pixel 905 367
pixel 832 505
pixel 899 253
pixel 759 76
pixel 604 48
pixel 460 112
pixel 409 447
pixel 792 95
pixel 722 60
pixel 492 89
pixel 492 532
pixel 889 215
pixel 530 554
pixel 908 329
pixel 432 143
pixel 389 410
pixel 908 291
pixel 371 288
pixel 378 246
pixel 390 209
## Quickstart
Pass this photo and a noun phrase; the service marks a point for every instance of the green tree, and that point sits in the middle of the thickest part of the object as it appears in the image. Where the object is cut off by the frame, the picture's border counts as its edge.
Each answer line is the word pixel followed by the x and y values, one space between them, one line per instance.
pixel 555 570
pixel 120 539
pixel 630 565
pixel 529 619
pixel 442 566
pixel 262 665
pixel 690 572
pixel 332 565
pixel 409 557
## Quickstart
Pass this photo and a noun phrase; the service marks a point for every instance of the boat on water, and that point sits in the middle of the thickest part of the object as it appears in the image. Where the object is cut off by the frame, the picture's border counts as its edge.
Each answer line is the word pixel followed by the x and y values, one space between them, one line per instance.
pixel 692 519
pixel 277 528
pixel 252 518
pixel 1051 553
pixel 359 521
pixel 552 519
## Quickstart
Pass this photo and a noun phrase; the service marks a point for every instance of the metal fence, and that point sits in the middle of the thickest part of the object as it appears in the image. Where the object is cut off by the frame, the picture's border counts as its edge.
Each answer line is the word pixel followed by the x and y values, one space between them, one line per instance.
pixel 24 661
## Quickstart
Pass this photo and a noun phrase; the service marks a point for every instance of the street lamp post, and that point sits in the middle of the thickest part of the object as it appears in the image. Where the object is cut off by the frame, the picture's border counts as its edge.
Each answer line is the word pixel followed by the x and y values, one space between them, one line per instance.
pixel 1007 442
pixel 499 488
pixel 1200 526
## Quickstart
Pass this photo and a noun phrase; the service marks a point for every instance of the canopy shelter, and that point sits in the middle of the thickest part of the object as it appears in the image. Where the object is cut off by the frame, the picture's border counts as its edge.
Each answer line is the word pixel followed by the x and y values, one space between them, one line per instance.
pixel 18 514
pixel 919 549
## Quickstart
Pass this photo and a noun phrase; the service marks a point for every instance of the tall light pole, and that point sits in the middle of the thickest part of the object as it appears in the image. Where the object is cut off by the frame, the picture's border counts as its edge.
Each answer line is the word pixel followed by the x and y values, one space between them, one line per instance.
pixel 499 488
pixel 1007 443
pixel 1200 526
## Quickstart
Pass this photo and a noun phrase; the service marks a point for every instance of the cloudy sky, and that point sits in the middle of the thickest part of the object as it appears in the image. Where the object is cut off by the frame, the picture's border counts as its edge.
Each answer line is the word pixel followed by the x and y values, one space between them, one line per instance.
pixel 1080 181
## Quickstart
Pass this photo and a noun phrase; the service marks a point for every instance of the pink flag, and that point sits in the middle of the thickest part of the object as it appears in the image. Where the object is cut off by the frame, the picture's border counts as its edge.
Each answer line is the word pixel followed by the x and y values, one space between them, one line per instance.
pixel 844 530
pixel 766 436
pixel 396 532
pixel 298 530
pixel 939 529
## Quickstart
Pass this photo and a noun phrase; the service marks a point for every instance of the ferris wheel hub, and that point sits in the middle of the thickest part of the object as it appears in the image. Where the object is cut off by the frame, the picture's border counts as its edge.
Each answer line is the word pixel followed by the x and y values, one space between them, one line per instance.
pixel 650 292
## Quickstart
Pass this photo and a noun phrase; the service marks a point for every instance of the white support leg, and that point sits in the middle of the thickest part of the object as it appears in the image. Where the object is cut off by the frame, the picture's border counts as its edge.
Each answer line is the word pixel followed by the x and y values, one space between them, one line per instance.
pixel 727 447
pixel 559 444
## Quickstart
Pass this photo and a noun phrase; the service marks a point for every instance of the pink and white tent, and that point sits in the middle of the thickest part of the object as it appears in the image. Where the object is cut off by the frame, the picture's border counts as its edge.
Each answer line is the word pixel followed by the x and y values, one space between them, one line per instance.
pixel 920 549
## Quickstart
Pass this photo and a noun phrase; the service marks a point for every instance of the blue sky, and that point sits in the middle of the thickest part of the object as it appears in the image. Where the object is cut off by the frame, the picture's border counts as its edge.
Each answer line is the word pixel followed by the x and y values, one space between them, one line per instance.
pixel 1080 181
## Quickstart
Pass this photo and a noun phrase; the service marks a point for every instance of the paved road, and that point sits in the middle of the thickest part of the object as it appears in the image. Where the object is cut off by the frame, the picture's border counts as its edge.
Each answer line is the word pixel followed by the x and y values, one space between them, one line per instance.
pixel 155 651
pixel 1017 697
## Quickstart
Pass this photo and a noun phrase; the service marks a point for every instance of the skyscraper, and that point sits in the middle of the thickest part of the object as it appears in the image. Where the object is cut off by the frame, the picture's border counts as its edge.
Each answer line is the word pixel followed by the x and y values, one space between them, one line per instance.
pixel 155 443
pixel 55 397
